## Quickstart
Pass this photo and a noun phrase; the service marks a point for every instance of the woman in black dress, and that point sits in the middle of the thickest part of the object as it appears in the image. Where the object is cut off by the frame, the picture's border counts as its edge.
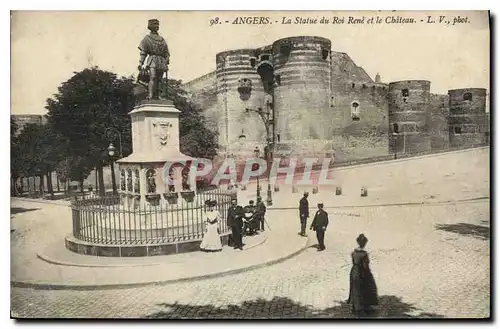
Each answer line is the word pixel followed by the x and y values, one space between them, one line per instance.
pixel 362 288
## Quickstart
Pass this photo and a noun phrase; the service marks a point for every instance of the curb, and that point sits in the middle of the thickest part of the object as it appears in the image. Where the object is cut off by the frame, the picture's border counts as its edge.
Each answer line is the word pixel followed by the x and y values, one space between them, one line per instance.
pixel 53 202
pixel 47 286
pixel 422 203
pixel 53 261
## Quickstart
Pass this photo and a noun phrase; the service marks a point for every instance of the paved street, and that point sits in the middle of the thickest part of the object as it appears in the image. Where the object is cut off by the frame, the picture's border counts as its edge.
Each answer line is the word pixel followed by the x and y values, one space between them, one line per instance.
pixel 428 261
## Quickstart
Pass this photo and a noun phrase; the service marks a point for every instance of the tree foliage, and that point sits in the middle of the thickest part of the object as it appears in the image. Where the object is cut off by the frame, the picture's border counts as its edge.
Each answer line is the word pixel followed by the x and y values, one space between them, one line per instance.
pixel 84 107
pixel 36 150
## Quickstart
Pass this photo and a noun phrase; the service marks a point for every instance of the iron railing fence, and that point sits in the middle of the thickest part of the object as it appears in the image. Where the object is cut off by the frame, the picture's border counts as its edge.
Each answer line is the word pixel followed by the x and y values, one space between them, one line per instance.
pixel 106 220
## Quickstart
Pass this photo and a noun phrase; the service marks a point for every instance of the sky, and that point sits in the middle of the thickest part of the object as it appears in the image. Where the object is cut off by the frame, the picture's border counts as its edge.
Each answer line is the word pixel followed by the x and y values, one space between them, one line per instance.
pixel 48 47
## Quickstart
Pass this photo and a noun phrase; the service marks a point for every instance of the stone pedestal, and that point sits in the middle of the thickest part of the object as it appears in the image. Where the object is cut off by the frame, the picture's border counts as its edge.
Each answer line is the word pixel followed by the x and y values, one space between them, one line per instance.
pixel 155 143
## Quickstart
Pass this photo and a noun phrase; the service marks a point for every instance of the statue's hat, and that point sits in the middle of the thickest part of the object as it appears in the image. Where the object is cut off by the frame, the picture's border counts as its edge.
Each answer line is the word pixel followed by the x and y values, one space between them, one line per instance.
pixel 153 21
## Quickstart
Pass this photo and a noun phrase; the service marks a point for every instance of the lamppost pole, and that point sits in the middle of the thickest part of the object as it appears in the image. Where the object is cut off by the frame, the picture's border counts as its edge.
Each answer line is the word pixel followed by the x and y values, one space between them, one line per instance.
pixel 111 152
pixel 268 121
pixel 404 142
pixel 111 134
pixel 257 154
pixel 395 138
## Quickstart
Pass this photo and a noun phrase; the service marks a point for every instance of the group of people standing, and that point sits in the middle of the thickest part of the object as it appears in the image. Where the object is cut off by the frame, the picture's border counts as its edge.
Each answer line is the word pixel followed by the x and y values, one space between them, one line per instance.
pixel 362 288
pixel 248 220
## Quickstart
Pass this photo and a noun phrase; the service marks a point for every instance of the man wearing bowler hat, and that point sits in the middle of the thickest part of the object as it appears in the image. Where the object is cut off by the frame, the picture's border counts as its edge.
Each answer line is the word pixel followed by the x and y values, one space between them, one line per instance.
pixel 319 224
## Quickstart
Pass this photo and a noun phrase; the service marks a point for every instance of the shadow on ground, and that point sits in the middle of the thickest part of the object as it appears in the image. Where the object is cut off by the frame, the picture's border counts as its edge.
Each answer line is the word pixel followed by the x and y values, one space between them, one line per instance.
pixel 477 231
pixel 283 307
pixel 18 210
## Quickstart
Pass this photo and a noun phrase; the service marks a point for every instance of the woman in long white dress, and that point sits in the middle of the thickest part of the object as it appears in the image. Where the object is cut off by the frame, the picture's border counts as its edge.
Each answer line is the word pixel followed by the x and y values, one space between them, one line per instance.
pixel 211 240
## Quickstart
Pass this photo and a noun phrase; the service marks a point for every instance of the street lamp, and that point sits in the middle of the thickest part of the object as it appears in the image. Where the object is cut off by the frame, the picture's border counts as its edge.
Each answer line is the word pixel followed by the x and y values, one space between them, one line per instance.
pixel 257 154
pixel 111 152
pixel 111 134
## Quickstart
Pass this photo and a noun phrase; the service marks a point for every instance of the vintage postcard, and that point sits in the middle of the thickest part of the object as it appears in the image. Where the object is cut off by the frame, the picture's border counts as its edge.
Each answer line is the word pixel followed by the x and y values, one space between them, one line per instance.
pixel 250 165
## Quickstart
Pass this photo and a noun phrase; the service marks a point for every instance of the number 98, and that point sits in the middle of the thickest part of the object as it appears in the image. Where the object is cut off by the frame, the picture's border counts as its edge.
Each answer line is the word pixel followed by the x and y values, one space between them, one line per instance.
pixel 214 21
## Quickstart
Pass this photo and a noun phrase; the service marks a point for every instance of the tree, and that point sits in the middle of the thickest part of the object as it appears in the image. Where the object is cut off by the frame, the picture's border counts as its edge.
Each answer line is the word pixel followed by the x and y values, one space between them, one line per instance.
pixel 16 166
pixel 85 105
pixel 37 152
pixel 196 139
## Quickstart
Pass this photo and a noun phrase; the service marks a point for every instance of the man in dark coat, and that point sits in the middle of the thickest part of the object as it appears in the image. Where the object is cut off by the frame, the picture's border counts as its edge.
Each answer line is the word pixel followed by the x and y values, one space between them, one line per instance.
pixel 319 224
pixel 235 222
pixel 303 213
pixel 261 213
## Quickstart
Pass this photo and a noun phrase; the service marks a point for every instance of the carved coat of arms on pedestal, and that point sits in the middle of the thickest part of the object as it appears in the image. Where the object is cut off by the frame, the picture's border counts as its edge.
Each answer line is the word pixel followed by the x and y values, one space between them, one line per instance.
pixel 162 131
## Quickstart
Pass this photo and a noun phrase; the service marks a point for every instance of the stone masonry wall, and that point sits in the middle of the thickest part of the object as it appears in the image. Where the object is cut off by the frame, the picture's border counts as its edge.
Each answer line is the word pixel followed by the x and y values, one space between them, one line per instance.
pixel 302 96
pixel 409 109
pixel 468 121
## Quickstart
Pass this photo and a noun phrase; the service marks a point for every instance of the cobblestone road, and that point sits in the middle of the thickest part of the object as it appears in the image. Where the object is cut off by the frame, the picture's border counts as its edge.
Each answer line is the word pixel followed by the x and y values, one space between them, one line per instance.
pixel 428 261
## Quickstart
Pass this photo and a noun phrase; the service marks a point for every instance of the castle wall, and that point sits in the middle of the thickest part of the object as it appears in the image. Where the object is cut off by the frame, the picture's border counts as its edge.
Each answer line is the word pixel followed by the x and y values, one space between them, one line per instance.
pixel 313 93
pixel 368 136
pixel 302 97
pixel 409 109
pixel 205 81
pixel 468 121
pixel 344 70
pixel 231 67
pixel 438 123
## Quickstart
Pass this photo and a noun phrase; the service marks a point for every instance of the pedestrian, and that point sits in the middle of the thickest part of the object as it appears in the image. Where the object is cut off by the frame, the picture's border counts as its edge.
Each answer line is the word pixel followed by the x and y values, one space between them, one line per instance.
pixel 362 287
pixel 211 239
pixel 303 213
pixel 235 222
pixel 319 224
pixel 261 213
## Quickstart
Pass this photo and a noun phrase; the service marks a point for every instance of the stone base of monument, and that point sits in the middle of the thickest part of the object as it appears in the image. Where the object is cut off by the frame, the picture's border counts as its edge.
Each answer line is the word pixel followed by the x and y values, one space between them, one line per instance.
pixel 136 250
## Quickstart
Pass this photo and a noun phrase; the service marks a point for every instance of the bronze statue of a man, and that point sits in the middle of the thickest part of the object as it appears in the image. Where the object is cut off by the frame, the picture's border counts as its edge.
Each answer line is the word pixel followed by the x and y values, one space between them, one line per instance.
pixel 155 57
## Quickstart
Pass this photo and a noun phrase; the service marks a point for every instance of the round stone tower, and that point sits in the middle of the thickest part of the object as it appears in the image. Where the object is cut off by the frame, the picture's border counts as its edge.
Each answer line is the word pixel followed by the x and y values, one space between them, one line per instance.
pixel 467 120
pixel 409 106
pixel 239 86
pixel 302 89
